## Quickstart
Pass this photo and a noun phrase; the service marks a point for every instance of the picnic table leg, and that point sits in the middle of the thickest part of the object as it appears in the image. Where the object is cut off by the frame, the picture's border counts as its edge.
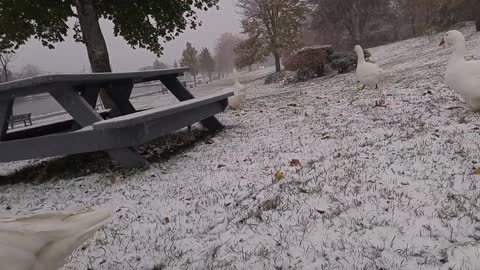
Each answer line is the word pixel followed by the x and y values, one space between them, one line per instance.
pixel 6 106
pixel 90 94
pixel 85 115
pixel 181 93
pixel 120 93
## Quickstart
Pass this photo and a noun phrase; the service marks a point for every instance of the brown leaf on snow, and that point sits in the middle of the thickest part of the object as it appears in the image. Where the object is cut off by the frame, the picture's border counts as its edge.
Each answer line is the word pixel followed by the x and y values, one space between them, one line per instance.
pixel 165 221
pixel 476 172
pixel 295 163
pixel 321 212
pixel 113 180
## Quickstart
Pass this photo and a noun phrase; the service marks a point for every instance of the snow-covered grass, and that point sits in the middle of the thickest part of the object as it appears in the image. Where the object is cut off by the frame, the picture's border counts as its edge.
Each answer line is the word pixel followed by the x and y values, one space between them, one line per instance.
pixel 378 187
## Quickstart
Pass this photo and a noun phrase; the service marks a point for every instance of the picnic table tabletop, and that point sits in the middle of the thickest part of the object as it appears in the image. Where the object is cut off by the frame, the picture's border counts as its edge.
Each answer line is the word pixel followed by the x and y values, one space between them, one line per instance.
pixel 44 83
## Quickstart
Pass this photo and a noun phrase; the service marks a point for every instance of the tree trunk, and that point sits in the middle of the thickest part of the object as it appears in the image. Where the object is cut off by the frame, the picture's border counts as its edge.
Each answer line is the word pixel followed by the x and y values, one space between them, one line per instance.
pixel 356 31
pixel 5 74
pixel 414 26
pixel 250 68
pixel 94 41
pixel 210 76
pixel 278 68
pixel 194 80
pixel 478 23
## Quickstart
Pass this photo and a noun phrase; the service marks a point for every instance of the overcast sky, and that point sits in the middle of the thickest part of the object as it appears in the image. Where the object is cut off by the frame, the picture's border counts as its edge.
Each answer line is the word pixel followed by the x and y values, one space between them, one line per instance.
pixel 71 57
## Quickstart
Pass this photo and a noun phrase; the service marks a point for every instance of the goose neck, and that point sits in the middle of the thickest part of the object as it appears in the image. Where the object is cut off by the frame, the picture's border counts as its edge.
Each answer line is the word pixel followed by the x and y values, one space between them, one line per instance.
pixel 459 51
pixel 361 58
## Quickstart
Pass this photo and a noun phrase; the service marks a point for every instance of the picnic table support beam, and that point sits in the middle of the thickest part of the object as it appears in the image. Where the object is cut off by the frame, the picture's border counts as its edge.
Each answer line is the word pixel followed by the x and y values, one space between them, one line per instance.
pixel 182 94
pixel 6 106
pixel 119 93
pixel 85 115
pixel 90 94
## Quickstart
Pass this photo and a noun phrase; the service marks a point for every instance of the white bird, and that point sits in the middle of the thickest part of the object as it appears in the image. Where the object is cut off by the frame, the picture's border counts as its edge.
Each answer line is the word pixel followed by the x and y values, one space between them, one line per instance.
pixel 368 73
pixel 236 82
pixel 43 241
pixel 461 75
pixel 237 100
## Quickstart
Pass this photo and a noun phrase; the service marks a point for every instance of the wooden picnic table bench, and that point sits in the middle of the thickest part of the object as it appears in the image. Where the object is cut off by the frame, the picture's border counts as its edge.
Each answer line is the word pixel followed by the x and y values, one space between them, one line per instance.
pixel 123 127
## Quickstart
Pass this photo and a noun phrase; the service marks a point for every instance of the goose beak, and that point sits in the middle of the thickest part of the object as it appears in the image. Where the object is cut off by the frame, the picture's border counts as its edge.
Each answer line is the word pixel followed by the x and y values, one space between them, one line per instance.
pixel 442 42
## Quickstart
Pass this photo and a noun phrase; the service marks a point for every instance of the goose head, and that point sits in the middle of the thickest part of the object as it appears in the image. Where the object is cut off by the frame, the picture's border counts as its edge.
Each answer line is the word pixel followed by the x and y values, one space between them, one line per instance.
pixel 452 37
pixel 358 49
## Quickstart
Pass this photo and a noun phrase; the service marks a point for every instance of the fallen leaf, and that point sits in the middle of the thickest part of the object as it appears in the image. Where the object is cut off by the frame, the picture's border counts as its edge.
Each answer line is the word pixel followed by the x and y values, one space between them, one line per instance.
pixel 166 220
pixel 476 172
pixel 454 107
pixel 320 211
pixel 113 180
pixel 380 104
pixel 295 163
pixel 221 166
pixel 428 93
pixel 279 175
pixel 326 137
pixel 292 105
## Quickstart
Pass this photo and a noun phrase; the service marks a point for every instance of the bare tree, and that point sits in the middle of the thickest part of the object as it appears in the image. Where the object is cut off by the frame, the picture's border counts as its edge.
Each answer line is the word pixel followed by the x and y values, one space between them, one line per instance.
pixel 277 24
pixel 6 59
pixel 225 53
pixel 30 71
pixel 351 15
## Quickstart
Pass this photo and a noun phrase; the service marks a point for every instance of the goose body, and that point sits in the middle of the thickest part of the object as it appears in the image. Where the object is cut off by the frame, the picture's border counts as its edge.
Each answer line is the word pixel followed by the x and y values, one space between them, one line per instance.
pixel 368 73
pixel 238 99
pixel 43 241
pixel 461 75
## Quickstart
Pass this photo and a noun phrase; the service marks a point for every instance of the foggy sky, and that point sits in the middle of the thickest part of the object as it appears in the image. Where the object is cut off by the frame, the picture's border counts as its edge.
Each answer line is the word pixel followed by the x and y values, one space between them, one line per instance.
pixel 72 57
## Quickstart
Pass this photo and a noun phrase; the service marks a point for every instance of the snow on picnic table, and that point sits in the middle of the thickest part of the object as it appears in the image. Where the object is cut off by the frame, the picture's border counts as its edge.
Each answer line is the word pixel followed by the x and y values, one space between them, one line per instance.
pixel 378 188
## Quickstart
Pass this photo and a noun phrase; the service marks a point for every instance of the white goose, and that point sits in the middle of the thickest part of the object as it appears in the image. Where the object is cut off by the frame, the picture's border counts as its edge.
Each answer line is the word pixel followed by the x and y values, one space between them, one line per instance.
pixel 462 76
pixel 43 241
pixel 237 100
pixel 368 73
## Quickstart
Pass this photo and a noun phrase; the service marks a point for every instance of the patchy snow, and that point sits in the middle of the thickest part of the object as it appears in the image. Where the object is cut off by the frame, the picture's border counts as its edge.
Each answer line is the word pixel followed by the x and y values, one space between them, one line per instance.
pixel 379 187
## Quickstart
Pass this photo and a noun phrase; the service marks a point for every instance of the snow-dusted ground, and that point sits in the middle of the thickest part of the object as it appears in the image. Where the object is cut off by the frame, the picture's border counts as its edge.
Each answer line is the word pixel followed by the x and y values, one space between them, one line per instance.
pixel 378 188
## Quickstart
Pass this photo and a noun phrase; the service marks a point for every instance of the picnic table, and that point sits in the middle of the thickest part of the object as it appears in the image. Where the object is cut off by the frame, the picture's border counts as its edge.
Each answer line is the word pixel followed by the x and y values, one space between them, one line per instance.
pixel 116 131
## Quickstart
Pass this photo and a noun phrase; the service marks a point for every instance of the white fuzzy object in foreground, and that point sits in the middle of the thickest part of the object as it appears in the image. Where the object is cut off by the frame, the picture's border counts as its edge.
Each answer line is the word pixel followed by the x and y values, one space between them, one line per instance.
pixel 43 241
pixel 461 75
pixel 237 100
pixel 368 74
